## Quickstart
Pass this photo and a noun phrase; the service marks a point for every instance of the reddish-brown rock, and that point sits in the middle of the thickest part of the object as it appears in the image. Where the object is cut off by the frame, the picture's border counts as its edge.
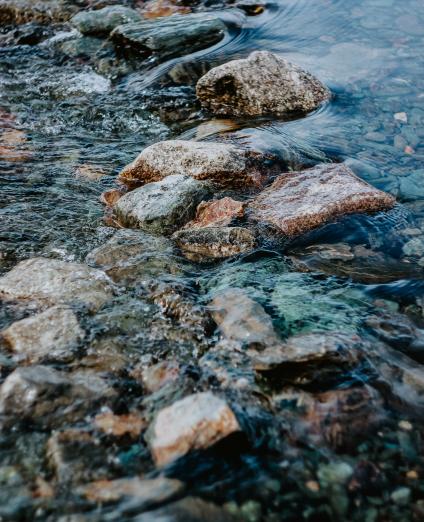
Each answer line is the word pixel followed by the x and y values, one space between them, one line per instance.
pixel 298 202
pixel 218 212
pixel 131 424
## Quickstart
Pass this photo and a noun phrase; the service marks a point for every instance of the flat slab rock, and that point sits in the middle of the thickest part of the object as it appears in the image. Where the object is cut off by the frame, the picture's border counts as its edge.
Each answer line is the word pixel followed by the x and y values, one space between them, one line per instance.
pixel 222 163
pixel 163 206
pixel 103 21
pixel 218 212
pixel 52 334
pixel 205 244
pixel 167 37
pixel 198 421
pixel 55 282
pixel 262 84
pixel 298 202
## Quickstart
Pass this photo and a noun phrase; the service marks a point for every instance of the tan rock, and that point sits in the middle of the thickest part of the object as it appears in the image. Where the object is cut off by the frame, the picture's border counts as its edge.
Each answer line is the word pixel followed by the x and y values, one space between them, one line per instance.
pixel 262 84
pixel 89 172
pixel 155 377
pixel 298 202
pixel 110 197
pixel 159 8
pixel 52 334
pixel 193 423
pixel 218 212
pixel 131 424
pixel 222 163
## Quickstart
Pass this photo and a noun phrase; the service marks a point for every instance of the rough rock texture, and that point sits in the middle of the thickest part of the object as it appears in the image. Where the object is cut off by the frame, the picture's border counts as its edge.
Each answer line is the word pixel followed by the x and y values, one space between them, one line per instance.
pixel 130 425
pixel 204 244
pixel 242 319
pixel 168 37
pixel 217 213
pixel 131 254
pixel 222 163
pixel 143 493
pixel 197 421
pixel 189 509
pixel 42 11
pixel 56 281
pixel 47 397
pixel 52 334
pixel 103 21
pixel 262 84
pixel 298 202
pixel 161 207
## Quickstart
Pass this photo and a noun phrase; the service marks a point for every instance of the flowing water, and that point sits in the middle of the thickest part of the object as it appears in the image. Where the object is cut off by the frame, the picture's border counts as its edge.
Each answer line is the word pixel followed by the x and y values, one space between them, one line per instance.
pixel 371 55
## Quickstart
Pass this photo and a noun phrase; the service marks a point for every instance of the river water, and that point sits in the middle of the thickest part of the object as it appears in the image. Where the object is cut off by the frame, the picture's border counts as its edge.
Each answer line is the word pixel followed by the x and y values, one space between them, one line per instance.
pixel 370 53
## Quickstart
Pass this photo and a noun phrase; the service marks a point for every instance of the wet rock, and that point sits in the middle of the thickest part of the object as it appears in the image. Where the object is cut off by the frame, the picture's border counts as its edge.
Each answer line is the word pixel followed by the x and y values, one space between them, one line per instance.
pixel 89 172
pixel 310 349
pixel 242 319
pixel 217 213
pixel 54 281
pixel 132 254
pixel 252 87
pixel 130 424
pixel 26 34
pixel 143 494
pixel 53 334
pixel 163 206
pixel 168 37
pixel 47 397
pixel 159 8
pixel 411 186
pixel 189 509
pixel 155 377
pixel 15 496
pixel 13 146
pixel 298 202
pixel 221 163
pixel 41 11
pixel 110 197
pixel 198 421
pixel 206 244
pixel 77 457
pixel 103 21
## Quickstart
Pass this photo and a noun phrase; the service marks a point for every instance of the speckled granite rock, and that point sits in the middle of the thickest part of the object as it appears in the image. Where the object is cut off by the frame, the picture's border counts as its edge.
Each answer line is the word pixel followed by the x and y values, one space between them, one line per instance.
pixel 222 163
pixel 55 281
pixel 298 202
pixel 253 87
pixel 52 334
pixel 167 37
pixel 163 206
pixel 205 244
pixel 103 21
pixel 198 421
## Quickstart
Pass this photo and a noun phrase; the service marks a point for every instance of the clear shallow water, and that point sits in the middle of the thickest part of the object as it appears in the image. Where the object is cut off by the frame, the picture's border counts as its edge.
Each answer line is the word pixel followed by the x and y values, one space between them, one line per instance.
pixel 371 54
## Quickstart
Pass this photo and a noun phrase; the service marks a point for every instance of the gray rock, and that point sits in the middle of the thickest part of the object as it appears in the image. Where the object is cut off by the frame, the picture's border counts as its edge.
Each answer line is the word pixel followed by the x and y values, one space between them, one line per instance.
pixel 54 281
pixel 198 421
pixel 52 334
pixel 411 187
pixel 253 87
pixel 161 207
pixel 132 254
pixel 167 37
pixel 205 244
pixel 298 202
pixel 103 21
pixel 222 163
pixel 49 398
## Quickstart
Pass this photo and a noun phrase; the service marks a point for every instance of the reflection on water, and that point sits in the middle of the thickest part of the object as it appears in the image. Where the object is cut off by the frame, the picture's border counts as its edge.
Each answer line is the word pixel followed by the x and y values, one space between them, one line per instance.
pixel 361 276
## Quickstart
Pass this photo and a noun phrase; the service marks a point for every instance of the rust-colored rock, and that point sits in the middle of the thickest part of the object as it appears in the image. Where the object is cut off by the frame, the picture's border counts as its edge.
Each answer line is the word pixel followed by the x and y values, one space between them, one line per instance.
pixel 193 423
pixel 298 202
pixel 159 8
pixel 218 212
pixel 131 424
pixel 155 377
pixel 110 197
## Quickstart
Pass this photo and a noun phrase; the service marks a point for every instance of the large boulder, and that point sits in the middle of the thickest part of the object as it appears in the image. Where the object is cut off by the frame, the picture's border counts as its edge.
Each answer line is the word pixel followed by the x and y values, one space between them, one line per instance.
pixel 197 421
pixel 167 37
pixel 103 21
pixel 55 281
pixel 298 202
pixel 262 84
pixel 223 163
pixel 53 334
pixel 161 207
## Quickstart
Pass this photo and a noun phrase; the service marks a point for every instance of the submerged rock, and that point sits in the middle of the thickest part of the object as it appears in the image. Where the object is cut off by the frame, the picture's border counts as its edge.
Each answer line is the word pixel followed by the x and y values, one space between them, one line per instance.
pixel 55 281
pixel 298 202
pixel 47 397
pixel 168 37
pixel 222 163
pixel 205 244
pixel 242 319
pixel 103 21
pixel 53 334
pixel 163 206
pixel 198 421
pixel 253 87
